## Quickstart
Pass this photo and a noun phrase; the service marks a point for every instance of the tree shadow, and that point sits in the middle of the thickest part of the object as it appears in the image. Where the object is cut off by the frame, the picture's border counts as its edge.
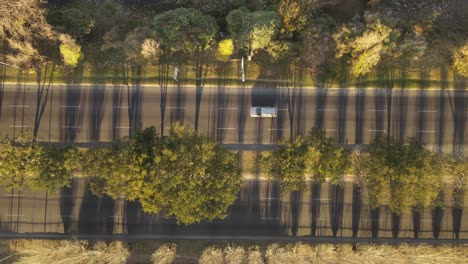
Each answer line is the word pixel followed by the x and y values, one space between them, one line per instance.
pixel 375 219
pixel 336 202
pixel 222 102
pixel 178 101
pixel 356 209
pixel 315 195
pixel 416 222
pixel 72 113
pixel 96 214
pixel 457 213
pixel 395 225
pixel 295 205
pixel 97 107
pixel 360 103
pixel 459 113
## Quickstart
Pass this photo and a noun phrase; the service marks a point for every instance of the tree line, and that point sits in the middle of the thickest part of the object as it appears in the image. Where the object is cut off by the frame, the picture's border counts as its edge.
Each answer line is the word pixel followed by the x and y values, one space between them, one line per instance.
pixel 401 174
pixel 125 35
pixel 188 175
pixel 185 174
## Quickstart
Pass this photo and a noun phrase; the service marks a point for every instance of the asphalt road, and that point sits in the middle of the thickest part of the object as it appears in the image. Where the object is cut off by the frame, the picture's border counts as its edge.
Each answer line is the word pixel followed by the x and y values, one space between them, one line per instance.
pixel 324 210
pixel 98 114
pixel 78 113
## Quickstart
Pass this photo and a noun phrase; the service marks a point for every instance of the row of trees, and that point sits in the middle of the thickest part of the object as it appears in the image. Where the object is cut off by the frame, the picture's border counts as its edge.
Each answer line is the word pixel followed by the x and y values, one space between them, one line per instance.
pixel 116 34
pixel 188 175
pixel 400 174
pixel 184 174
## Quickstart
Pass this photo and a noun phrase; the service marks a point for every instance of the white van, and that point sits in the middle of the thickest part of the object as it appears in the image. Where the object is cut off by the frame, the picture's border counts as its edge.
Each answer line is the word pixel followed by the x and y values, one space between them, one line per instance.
pixel 262 111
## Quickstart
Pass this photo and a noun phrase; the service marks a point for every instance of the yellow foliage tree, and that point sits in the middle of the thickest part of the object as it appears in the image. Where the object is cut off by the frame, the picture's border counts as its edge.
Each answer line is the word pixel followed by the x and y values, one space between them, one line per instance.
pixel 460 60
pixel 70 50
pixel 225 49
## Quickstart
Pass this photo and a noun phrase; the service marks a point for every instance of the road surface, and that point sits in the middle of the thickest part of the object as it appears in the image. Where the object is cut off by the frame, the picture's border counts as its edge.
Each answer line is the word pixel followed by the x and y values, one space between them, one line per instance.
pixel 93 113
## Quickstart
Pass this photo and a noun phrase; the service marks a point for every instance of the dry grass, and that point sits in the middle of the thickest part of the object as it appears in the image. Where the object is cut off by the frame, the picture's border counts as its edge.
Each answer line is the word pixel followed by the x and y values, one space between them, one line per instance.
pixel 69 252
pixel 211 255
pixel 165 254
pixel 254 255
pixel 234 255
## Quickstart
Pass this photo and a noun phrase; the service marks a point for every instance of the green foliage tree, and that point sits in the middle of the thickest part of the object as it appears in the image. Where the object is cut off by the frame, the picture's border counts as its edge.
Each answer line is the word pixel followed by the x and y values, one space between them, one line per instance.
pixel 114 172
pixel 456 170
pixel 326 159
pixel 53 167
pixel 294 13
pixel 315 155
pixel 71 20
pixel 16 162
pixel 363 45
pixel 287 164
pixel 253 31
pixel 194 178
pixel 460 60
pixel 401 174
pixel 186 30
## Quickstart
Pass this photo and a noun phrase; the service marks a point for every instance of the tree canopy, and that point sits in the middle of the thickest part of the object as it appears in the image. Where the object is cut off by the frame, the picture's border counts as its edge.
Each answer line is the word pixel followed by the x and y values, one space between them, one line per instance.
pixel 403 175
pixel 253 30
pixel 315 155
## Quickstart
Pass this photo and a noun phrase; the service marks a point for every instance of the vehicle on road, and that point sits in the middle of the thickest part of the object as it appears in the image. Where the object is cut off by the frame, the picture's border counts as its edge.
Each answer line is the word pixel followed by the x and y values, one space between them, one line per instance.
pixel 262 111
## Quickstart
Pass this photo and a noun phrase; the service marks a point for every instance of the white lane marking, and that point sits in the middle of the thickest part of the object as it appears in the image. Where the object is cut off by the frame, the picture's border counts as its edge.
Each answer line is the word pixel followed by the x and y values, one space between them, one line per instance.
pixel 175 107
pixel 13 195
pixel 227 108
pixel 376 130
pixel 18 105
pixel 277 128
pixel 269 198
pixel 18 126
pixel 70 126
pixel 282 109
pixel 122 127
pixel 225 128
pixel 326 109
pixel 426 131
pixel 318 199
pixel 14 215
pixel 122 106
pixel 330 129
pixel 69 106
pixel 428 111
pixel 377 110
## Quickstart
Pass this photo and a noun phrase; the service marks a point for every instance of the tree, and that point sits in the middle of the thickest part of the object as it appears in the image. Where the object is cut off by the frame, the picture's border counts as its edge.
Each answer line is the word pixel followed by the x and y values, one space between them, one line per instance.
pixel 456 169
pixel 401 174
pixel 363 45
pixel 53 167
pixel 16 162
pixel 325 158
pixel 253 31
pixel 287 164
pixel 114 172
pixel 71 20
pixel 70 50
pixel 316 44
pixel 225 49
pixel 194 178
pixel 460 60
pixel 315 155
pixel 294 13
pixel 189 32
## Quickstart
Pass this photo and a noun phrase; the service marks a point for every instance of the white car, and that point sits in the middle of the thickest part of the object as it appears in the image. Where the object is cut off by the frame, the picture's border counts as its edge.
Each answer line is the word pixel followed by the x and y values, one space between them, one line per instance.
pixel 262 111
